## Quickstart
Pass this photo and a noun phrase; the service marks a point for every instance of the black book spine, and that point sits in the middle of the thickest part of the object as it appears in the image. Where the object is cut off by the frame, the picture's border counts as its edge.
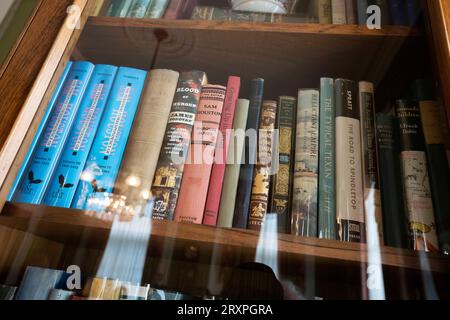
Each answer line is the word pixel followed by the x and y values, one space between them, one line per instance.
pixel 245 184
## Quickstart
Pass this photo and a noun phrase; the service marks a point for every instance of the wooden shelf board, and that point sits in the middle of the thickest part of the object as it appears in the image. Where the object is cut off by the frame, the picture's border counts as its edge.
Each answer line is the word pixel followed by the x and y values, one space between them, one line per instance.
pixel 79 228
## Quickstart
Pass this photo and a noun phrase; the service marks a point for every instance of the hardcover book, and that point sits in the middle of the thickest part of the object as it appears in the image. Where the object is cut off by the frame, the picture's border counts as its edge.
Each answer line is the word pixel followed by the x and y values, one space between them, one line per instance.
pixel 104 159
pixel 119 8
pixel 44 122
pixel 304 199
pixel 180 9
pixel 398 14
pixel 245 184
pixel 66 176
pixel 413 11
pixel 324 11
pixel 144 144
pixel 177 139
pixel 200 159
pixel 351 12
pixel 416 184
pixel 339 11
pixel 221 152
pixel 327 161
pixel 372 198
pixel 156 9
pixel 395 221
pixel 138 8
pixel 259 203
pixel 37 283
pixel 349 181
pixel 384 8
pixel 282 182
pixel 235 159
pixel 36 177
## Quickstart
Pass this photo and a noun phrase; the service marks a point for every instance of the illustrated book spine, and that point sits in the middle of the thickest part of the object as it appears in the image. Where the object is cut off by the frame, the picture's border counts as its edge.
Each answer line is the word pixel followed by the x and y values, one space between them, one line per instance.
pixel 48 149
pixel 221 153
pixel 44 122
pixel 339 11
pixel 144 144
pixel 349 182
pixel 67 173
pixel 104 159
pixel 235 159
pixel 259 201
pixel 245 184
pixel 327 161
pixel 176 142
pixel 371 180
pixel 304 198
pixel 282 181
pixel 200 160
pixel 415 177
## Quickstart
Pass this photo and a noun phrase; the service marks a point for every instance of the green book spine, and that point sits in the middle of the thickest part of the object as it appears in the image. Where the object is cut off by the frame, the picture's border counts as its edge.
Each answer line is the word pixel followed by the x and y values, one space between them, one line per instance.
pixel 282 183
pixel 327 161
pixel 157 9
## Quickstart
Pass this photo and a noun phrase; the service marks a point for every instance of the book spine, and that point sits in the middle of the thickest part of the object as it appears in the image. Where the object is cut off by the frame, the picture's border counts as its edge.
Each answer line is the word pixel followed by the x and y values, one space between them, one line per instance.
pixel 413 11
pixel 105 289
pixel 157 9
pixel 180 9
pixel 138 8
pixel 351 12
pixel 416 185
pixel 67 174
pixel 282 182
pixel 398 14
pixel 7 293
pixel 44 122
pixel 221 153
pixel 105 156
pixel 372 197
pixel 48 150
pixel 98 7
pixel 119 8
pixel 259 202
pixel 144 144
pixel 362 11
pixel 244 189
pixel 339 11
pixel 395 222
pixel 304 203
pixel 197 172
pixel 384 8
pixel 177 139
pixel 58 294
pixel 37 283
pixel 349 184
pixel 327 161
pixel 324 11
pixel 134 293
pixel 235 154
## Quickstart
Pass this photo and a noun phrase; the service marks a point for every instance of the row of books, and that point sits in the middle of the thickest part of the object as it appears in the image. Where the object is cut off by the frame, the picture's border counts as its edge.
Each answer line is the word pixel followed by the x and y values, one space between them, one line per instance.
pixel 393 12
pixel 49 284
pixel 204 156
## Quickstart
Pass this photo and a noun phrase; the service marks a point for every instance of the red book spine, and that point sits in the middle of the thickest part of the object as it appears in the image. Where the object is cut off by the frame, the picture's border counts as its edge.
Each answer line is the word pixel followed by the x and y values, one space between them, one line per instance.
pixel 218 170
pixel 197 172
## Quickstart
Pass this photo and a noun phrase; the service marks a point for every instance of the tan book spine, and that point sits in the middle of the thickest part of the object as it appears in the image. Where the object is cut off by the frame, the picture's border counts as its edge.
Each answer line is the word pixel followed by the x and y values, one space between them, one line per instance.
pixel 98 6
pixel 324 11
pixel 144 145
pixel 339 11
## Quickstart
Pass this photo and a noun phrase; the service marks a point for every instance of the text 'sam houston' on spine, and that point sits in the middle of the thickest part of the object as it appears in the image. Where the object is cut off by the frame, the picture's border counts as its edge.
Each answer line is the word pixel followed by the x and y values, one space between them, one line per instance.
pixel 67 174
pixel 176 143
pixel 372 198
pixel 48 112
pixel 103 163
pixel 349 182
pixel 197 171
pixel 304 199
pixel 282 182
pixel 416 183
pixel 327 161
pixel 36 177
pixel 259 202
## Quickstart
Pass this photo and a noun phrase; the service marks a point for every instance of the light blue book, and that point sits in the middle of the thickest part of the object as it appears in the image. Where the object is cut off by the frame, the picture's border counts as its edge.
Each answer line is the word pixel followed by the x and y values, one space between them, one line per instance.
pixel 37 283
pixel 66 176
pixel 119 8
pixel 327 161
pixel 42 125
pixel 105 157
pixel 39 170
pixel 157 9
pixel 139 8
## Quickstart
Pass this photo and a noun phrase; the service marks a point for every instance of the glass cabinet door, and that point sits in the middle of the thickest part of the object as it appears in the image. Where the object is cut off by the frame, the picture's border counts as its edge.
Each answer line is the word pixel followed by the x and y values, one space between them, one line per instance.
pixel 215 149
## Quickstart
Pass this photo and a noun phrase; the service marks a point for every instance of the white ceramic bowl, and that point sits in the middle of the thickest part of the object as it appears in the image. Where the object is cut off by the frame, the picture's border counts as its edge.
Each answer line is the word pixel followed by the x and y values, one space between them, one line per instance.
pixel 270 6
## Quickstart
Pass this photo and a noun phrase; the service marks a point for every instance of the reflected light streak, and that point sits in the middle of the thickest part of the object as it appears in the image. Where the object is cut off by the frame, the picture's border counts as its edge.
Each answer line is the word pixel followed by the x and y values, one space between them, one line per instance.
pixel 267 248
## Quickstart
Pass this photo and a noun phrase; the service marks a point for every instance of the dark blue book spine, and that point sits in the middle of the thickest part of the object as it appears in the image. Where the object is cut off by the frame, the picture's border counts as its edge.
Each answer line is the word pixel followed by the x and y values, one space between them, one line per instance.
pixel 398 12
pixel 67 174
pixel 245 184
pixel 362 11
pixel 50 107
pixel 413 11
pixel 100 172
pixel 37 175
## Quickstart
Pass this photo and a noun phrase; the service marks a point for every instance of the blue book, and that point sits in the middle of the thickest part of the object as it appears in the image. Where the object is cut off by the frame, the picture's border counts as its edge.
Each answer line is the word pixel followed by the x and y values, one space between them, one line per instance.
pixel 413 11
pixel 105 157
pixel 398 13
pixel 42 125
pixel 362 11
pixel 36 176
pixel 67 174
